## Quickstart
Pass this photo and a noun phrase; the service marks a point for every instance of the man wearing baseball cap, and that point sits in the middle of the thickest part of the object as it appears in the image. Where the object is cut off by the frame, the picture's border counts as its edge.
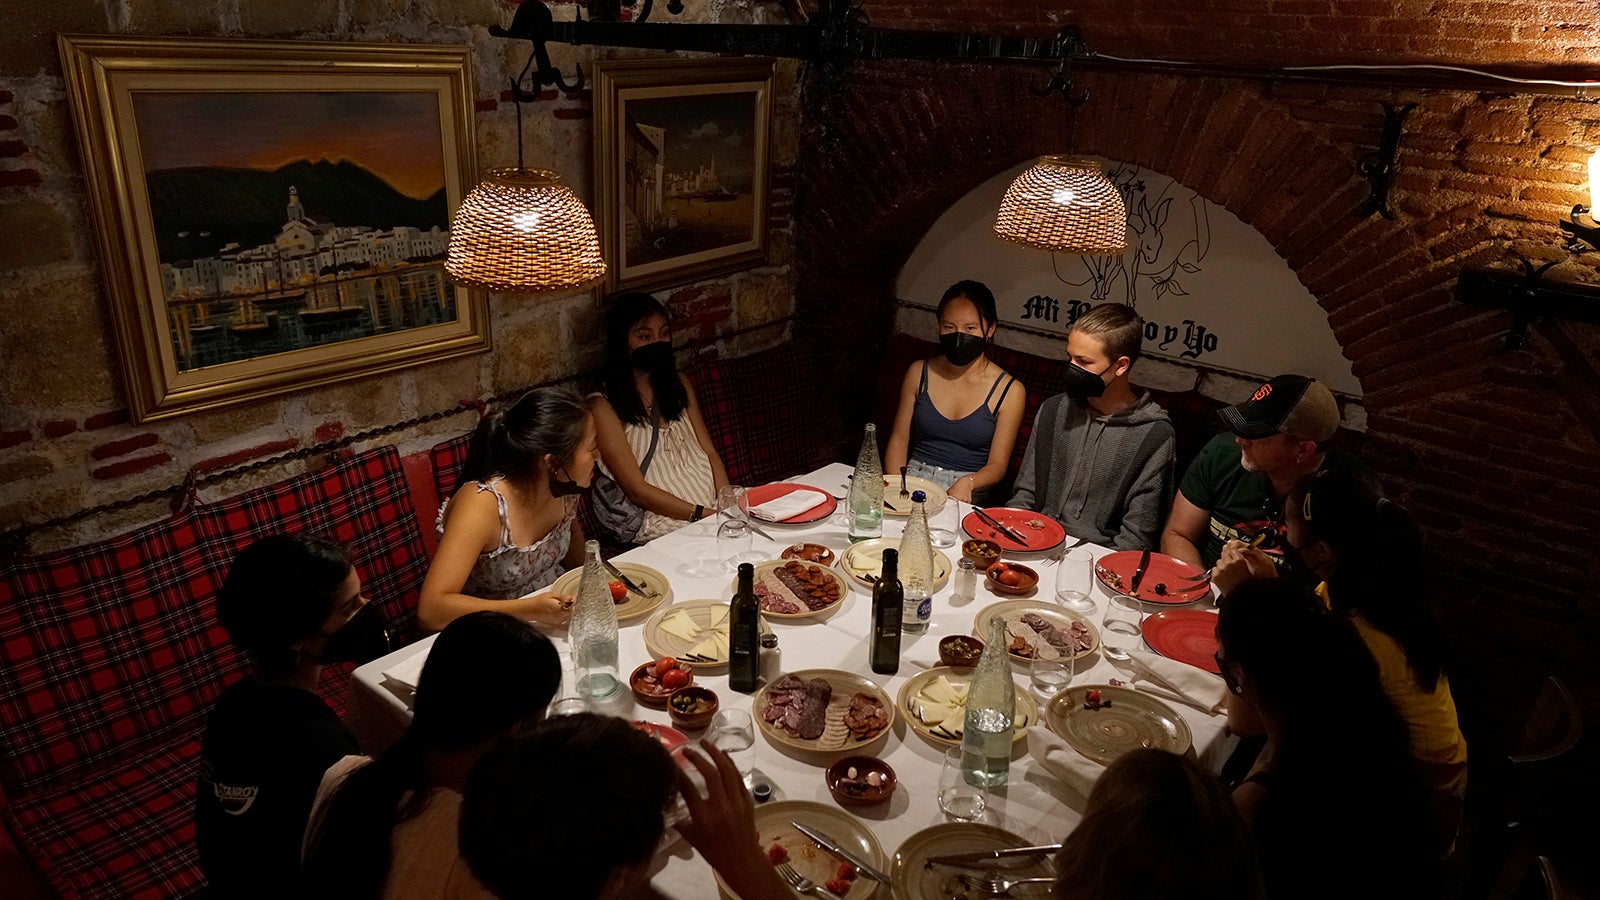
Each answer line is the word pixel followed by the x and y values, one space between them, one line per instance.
pixel 1234 488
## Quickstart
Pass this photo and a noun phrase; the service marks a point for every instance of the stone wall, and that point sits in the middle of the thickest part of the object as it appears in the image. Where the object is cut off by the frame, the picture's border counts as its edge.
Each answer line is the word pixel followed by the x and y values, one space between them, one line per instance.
pixel 65 440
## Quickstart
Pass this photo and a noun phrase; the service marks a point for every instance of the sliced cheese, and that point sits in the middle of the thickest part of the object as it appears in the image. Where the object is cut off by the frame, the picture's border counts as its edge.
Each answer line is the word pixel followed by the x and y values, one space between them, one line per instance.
pixel 718 616
pixel 680 625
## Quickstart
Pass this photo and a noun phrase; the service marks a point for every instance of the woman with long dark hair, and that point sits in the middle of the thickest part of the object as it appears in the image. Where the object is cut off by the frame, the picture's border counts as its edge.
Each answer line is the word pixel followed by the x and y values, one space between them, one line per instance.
pixel 653 440
pixel 1368 553
pixel 386 827
pixel 512 527
pixel 959 412
pixel 1334 800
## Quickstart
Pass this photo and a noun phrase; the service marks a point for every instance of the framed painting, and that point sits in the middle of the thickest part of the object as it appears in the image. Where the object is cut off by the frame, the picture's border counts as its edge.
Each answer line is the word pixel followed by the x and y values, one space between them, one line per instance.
pixel 682 160
pixel 273 216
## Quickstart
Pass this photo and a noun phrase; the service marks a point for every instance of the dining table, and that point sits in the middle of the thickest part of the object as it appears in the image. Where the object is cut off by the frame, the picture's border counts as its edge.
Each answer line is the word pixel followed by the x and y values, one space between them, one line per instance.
pixel 1033 804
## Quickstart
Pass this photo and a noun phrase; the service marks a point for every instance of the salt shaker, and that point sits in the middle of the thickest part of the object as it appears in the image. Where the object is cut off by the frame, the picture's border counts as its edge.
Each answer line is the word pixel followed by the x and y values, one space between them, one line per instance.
pixel 966 581
pixel 771 658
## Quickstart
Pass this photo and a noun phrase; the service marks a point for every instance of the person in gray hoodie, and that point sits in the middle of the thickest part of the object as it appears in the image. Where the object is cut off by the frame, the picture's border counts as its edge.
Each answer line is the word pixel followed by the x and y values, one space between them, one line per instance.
pixel 1100 457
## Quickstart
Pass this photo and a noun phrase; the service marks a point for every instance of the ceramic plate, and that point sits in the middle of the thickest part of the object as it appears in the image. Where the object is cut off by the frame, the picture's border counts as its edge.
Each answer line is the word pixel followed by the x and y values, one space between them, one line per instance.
pixel 1186 635
pixel 1127 721
pixel 1013 611
pixel 1166 579
pixel 1039 532
pixel 816 553
pixel 836 737
pixel 900 507
pixel 632 606
pixel 914 706
pixel 773 827
pixel 766 574
pixel 913 878
pixel 668 634
pixel 863 562
pixel 768 492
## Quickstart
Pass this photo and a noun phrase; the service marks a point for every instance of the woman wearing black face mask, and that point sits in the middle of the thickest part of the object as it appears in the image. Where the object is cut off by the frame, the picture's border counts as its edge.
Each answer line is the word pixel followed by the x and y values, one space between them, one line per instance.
pixel 653 441
pixel 512 527
pixel 959 412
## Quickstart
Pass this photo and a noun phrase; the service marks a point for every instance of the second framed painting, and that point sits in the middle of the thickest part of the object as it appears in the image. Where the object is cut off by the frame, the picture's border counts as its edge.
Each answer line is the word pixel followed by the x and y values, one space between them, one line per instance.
pixel 682 159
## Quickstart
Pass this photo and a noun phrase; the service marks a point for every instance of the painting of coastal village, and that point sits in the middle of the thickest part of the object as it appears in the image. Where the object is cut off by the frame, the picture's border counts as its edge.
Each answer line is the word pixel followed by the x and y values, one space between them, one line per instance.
pixel 290 220
pixel 689 175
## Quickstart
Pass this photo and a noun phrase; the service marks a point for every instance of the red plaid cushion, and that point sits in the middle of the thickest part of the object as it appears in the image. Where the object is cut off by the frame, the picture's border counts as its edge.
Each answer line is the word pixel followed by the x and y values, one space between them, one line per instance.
pixel 761 415
pixel 127 832
pixel 448 458
pixel 111 648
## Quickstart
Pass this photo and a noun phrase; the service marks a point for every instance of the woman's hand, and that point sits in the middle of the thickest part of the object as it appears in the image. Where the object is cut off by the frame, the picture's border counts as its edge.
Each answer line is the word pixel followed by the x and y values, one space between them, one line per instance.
pixel 553 608
pixel 722 826
pixel 961 488
pixel 1239 563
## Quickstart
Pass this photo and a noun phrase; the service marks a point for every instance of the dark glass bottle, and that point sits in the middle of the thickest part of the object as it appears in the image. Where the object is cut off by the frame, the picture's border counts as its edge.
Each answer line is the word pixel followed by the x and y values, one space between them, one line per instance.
pixel 888 601
pixel 744 633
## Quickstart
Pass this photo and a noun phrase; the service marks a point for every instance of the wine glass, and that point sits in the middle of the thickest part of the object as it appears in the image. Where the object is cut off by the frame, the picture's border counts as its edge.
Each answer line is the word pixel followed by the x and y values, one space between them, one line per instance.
pixel 1121 632
pixel 1073 580
pixel 958 798
pixel 941 536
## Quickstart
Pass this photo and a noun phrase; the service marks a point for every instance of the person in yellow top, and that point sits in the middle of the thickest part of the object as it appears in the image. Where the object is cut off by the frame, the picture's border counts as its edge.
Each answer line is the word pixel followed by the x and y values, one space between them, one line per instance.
pixel 1367 553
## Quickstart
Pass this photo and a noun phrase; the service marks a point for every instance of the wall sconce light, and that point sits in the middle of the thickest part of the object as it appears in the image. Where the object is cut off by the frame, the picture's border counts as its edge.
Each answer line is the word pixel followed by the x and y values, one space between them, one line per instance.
pixel 1585 236
pixel 1065 204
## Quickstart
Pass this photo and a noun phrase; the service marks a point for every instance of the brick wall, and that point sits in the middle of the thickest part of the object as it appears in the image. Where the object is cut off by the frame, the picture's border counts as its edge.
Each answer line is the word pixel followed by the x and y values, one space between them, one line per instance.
pixel 1490 448
pixel 65 440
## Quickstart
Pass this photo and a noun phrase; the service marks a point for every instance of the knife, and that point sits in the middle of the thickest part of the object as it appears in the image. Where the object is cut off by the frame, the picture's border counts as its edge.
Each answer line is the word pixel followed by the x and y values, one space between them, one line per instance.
pixel 1138 574
pixel 968 859
pixel 832 846
pixel 748 520
pixel 626 581
pixel 993 523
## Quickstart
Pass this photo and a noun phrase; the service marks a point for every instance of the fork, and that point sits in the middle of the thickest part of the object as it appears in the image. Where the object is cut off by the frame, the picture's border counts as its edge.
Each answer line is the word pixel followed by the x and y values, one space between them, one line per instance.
pixel 997 886
pixel 799 882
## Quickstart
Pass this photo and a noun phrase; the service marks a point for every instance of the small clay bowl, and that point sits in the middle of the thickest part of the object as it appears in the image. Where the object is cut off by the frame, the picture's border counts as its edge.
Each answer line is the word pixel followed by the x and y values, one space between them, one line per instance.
pixel 858 791
pixel 812 553
pixel 982 553
pixel 705 701
pixel 653 696
pixel 1029 579
pixel 960 650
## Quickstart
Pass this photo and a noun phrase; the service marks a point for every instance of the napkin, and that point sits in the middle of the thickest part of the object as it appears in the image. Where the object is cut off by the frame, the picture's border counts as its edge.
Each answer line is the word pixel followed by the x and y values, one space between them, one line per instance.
pixel 1197 687
pixel 1077 771
pixel 788 506
pixel 407 671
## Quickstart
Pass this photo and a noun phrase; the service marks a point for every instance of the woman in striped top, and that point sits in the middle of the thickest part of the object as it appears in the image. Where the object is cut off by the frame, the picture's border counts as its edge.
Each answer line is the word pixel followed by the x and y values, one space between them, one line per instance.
pixel 649 416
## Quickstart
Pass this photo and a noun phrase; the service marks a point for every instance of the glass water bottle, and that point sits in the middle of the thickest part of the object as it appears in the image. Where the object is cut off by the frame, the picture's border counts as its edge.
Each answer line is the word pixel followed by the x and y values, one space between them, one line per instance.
pixel 991 709
pixel 594 629
pixel 866 490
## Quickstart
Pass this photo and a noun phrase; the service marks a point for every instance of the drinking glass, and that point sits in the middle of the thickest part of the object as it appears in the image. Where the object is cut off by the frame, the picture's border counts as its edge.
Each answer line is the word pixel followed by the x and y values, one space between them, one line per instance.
pixel 733 732
pixel 959 800
pixel 1073 580
pixel 1051 675
pixel 1122 631
pixel 942 536
pixel 734 540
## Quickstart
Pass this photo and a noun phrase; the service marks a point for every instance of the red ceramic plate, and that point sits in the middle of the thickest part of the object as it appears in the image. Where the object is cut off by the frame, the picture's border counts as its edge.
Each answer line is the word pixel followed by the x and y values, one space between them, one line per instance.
pixel 1166 580
pixel 670 738
pixel 1039 532
pixel 758 495
pixel 1186 635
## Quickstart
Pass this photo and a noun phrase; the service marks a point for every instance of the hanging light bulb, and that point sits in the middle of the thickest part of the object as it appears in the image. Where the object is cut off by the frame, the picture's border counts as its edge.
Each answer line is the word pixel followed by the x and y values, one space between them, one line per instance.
pixel 1065 204
pixel 522 231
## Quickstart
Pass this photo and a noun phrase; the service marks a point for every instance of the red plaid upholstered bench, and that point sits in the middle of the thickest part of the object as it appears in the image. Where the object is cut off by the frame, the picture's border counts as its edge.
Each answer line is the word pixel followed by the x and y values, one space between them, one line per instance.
pixel 762 414
pixel 111 656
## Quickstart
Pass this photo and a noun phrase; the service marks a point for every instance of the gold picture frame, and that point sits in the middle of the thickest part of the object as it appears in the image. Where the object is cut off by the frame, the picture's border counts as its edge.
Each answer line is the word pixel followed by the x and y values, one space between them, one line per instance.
pixel 682 168
pixel 273 215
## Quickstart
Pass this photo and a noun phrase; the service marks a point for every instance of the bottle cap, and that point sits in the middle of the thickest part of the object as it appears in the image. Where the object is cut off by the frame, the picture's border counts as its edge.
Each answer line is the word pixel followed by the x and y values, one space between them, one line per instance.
pixel 769 640
pixel 965 563
pixel 919 497
pixel 763 792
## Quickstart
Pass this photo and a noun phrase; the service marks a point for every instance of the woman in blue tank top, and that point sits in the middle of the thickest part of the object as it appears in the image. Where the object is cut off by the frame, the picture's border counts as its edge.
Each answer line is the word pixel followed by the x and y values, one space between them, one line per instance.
pixel 959 412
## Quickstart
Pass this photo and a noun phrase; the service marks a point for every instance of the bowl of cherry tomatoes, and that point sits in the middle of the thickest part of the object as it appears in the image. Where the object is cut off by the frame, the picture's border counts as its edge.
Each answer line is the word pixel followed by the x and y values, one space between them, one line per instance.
pixel 1011 578
pixel 654 682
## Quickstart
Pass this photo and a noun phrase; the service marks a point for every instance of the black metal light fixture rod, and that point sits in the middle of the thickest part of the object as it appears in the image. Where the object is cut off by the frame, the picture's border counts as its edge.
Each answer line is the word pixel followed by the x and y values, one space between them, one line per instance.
pixel 805 41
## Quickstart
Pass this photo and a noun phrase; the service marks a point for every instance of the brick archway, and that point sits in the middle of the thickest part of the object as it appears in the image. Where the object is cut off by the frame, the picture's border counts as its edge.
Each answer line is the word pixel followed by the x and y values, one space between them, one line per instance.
pixel 1486 447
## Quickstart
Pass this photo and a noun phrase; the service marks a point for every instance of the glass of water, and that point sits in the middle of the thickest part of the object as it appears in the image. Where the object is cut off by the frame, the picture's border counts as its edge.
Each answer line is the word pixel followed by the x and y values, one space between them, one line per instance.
pixel 733 732
pixel 959 800
pixel 944 527
pixel 734 540
pixel 1073 579
pixel 1051 675
pixel 1121 632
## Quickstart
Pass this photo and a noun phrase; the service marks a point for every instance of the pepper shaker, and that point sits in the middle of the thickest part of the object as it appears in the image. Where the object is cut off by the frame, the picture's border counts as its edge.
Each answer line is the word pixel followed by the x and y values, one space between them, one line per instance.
pixel 966 581
pixel 771 658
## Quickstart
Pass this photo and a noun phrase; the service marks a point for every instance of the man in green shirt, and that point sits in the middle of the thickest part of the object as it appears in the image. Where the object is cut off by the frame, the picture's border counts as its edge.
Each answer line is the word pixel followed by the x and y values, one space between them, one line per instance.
pixel 1234 488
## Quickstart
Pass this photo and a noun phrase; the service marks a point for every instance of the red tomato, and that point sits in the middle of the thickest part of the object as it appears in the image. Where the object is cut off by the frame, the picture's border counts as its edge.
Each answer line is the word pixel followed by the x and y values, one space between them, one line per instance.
pixel 838 886
pixel 846 873
pixel 1009 578
pixel 618 592
pixel 776 854
pixel 672 679
pixel 665 663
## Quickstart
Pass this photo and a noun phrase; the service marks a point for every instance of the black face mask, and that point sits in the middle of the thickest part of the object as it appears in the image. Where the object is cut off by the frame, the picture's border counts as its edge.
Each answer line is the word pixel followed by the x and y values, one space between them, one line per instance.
pixel 563 487
pixel 360 640
pixel 961 348
pixel 654 357
pixel 1082 383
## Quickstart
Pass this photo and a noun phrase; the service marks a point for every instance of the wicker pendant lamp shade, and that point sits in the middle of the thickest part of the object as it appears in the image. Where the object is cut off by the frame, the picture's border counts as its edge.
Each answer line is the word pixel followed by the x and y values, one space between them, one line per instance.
pixel 522 231
pixel 1065 204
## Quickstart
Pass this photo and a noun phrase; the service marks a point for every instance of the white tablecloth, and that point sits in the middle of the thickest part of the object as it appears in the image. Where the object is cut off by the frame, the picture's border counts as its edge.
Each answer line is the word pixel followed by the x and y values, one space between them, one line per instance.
pixel 1034 804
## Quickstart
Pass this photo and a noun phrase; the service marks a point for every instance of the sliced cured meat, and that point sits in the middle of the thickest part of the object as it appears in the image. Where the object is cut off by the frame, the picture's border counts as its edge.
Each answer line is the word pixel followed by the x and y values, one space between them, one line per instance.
pixel 807 584
pixel 813 713
pixel 1072 639
pixel 786 695
pixel 771 602
pixel 866 716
